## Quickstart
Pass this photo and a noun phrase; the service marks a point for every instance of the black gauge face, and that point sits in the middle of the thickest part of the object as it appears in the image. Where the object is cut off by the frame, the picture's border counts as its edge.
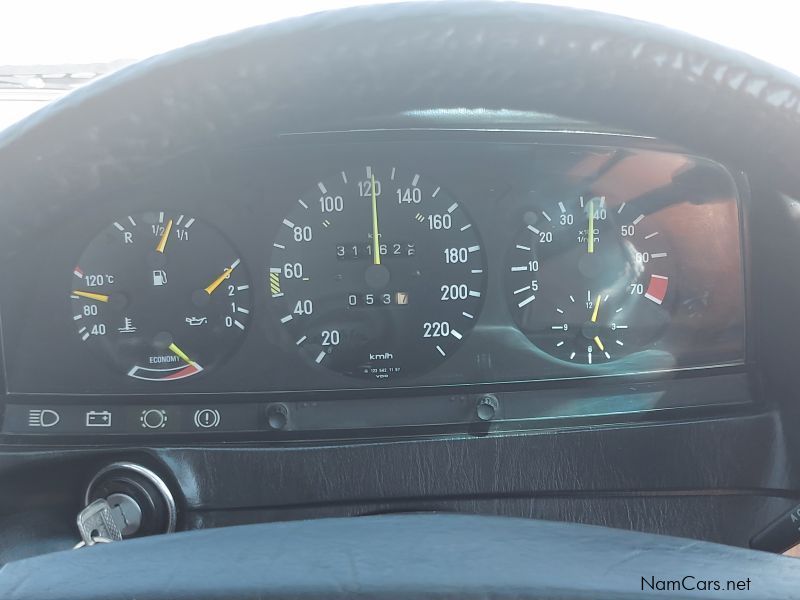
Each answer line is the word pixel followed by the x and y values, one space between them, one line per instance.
pixel 377 273
pixel 164 296
pixel 588 282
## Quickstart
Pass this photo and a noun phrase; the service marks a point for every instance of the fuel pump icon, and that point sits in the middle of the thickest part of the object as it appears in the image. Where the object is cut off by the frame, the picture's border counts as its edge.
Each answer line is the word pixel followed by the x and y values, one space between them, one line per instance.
pixel 159 277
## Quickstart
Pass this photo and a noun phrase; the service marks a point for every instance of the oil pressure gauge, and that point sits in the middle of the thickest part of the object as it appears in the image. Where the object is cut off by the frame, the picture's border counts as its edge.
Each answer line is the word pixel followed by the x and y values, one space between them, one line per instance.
pixel 163 296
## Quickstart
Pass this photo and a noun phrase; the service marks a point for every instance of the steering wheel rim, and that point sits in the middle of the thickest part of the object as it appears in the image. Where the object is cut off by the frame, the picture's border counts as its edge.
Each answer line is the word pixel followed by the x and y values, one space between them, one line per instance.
pixel 309 72
pixel 397 556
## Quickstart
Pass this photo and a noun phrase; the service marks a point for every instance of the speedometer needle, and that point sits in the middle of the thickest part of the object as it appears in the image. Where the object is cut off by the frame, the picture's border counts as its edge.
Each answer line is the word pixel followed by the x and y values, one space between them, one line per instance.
pixel 225 274
pixel 376 245
pixel 162 243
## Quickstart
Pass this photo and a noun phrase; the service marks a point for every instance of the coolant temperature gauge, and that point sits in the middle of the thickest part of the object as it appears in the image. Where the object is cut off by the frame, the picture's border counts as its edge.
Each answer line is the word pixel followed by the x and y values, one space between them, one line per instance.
pixel 163 296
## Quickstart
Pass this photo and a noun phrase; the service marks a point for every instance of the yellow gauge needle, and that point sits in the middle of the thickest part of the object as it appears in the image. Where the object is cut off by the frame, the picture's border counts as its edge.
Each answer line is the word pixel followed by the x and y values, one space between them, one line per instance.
pixel 162 243
pixel 218 281
pixel 376 244
pixel 181 354
pixel 590 232
pixel 596 309
pixel 90 295
pixel 599 343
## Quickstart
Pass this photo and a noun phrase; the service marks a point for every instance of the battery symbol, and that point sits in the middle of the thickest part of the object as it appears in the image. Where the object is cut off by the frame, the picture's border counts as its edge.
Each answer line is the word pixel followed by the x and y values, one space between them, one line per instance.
pixel 98 418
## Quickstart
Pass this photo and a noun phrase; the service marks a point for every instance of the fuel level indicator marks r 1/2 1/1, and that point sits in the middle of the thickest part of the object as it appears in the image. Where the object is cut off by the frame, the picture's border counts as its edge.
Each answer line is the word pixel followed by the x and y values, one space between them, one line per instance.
pixel 162 295
pixel 587 281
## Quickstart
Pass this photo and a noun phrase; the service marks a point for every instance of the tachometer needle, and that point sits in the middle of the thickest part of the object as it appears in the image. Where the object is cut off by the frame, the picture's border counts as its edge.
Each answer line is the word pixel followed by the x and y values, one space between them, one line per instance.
pixel 181 354
pixel 218 281
pixel 90 295
pixel 590 231
pixel 596 309
pixel 599 343
pixel 162 243
pixel 376 244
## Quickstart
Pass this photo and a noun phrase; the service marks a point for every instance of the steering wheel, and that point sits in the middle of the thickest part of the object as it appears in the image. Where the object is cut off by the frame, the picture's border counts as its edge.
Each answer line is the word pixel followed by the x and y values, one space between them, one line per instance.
pixel 335 68
pixel 401 556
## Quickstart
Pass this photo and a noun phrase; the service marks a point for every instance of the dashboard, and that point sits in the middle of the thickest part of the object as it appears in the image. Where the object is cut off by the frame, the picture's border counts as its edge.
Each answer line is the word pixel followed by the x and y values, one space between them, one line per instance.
pixel 303 284
pixel 479 258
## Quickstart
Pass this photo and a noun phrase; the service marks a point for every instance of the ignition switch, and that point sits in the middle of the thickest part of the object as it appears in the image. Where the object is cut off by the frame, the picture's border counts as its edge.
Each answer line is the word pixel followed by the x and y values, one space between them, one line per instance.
pixel 140 501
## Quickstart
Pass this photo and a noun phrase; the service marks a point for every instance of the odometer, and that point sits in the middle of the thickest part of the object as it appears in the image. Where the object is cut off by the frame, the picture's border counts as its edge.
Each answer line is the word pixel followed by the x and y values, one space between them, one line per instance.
pixel 377 274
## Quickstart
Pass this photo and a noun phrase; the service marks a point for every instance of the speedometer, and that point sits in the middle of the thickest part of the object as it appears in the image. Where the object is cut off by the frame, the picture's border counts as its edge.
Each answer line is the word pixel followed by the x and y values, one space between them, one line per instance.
pixel 377 273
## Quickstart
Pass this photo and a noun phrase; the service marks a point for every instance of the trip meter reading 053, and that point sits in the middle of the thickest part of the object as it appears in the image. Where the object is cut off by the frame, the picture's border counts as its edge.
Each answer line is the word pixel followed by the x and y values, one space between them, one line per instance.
pixel 377 274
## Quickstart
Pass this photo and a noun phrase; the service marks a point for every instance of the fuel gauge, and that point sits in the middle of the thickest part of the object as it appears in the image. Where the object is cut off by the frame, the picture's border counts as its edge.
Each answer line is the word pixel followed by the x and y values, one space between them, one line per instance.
pixel 163 296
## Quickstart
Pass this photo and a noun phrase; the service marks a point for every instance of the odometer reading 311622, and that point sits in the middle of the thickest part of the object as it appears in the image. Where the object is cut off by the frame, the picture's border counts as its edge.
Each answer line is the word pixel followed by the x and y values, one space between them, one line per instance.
pixel 377 273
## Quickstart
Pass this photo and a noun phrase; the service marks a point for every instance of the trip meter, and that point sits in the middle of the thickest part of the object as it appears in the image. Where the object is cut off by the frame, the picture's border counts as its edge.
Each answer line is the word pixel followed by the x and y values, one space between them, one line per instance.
pixel 377 273
pixel 163 296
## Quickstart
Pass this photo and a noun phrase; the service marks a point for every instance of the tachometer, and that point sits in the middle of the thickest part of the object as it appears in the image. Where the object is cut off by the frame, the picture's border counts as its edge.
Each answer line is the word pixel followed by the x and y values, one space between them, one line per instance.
pixel 163 296
pixel 377 273
pixel 588 282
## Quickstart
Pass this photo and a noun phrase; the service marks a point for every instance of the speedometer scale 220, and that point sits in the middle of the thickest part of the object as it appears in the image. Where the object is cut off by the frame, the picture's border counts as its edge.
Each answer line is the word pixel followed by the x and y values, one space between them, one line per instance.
pixel 377 273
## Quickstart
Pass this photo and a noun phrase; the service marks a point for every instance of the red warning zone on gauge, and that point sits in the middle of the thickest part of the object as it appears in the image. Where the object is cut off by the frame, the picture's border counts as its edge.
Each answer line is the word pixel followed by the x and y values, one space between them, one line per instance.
pixel 657 289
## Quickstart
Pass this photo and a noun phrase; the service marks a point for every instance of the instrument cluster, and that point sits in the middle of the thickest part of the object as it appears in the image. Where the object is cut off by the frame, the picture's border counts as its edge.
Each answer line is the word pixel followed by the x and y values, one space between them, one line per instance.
pixel 329 264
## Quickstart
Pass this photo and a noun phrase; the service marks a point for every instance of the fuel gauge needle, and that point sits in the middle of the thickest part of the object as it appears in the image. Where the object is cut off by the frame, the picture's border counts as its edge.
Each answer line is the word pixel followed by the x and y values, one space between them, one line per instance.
pixel 225 274
pixel 162 242
pixel 90 295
